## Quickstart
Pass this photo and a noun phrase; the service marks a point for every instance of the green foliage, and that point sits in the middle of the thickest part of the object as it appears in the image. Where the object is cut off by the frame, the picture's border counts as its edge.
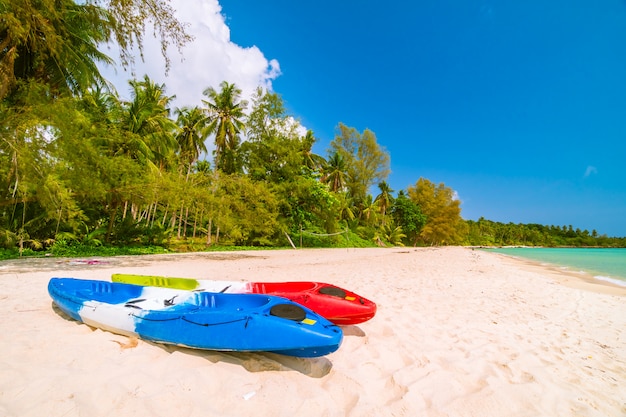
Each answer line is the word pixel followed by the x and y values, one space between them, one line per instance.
pixel 192 124
pixel 366 162
pixel 384 200
pixel 8 239
pixel 9 253
pixel 318 239
pixel 353 240
pixel 389 235
pixel 226 114
pixel 70 249
pixel 54 42
pixel 444 225
pixel 253 212
pixel 84 173
pixel 133 17
pixel 408 215
pixel 313 163
pixel 305 202
pixel 334 173
pixel 274 152
pixel 58 42
pixel 149 132
pixel 488 233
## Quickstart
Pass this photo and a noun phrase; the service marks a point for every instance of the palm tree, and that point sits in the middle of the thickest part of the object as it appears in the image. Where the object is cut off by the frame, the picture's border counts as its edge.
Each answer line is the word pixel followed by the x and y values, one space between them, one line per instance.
pixel 54 42
pixel 148 138
pixel 102 106
pixel 345 207
pixel 369 209
pixel 384 199
pixel 203 166
pixel 146 118
pixel 394 235
pixel 226 114
pixel 334 173
pixel 192 123
pixel 312 161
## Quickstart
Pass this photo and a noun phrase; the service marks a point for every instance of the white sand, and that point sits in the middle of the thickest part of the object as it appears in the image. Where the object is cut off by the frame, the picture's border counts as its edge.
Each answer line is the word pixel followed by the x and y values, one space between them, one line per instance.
pixel 458 332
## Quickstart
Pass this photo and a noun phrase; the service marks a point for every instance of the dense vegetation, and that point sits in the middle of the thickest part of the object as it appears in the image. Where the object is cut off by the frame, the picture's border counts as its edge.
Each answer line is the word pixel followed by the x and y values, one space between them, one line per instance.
pixel 82 170
pixel 488 233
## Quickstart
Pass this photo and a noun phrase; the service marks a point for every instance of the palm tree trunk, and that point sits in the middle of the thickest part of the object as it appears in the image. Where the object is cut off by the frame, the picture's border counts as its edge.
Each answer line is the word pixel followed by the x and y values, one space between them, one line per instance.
pixel 208 231
pixel 180 219
pixel 148 214
pixel 173 222
pixel 195 223
pixel 22 231
pixel 112 215
pixel 165 215
pixel 56 230
pixel 186 222
pixel 154 210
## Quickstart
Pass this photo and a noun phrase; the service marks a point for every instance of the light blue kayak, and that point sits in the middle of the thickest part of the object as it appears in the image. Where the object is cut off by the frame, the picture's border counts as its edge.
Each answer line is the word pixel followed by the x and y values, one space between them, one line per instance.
pixel 201 320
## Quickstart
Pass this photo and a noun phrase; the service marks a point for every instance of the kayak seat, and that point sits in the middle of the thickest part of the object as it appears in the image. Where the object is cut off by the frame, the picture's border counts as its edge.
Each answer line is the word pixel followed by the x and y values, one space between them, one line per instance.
pixel 288 311
pixel 333 291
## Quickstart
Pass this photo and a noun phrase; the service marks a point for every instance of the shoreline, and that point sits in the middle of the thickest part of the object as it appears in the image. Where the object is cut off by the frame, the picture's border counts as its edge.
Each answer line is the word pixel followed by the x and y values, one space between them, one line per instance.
pixel 566 276
pixel 458 332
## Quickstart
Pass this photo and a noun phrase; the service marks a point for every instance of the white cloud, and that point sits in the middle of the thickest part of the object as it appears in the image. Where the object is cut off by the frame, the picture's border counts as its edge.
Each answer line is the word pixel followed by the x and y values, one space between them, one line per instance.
pixel 590 171
pixel 295 124
pixel 206 61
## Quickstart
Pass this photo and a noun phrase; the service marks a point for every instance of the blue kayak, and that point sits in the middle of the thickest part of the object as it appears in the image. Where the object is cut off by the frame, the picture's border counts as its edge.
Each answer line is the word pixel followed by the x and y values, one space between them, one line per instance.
pixel 200 320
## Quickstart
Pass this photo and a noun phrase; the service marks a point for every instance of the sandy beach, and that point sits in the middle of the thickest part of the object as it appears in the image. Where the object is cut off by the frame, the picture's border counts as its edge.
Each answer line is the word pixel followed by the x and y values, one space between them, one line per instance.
pixel 458 332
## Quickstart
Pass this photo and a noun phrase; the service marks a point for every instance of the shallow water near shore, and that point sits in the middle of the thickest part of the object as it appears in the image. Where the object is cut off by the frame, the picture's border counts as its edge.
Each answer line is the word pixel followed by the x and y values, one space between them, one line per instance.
pixel 606 264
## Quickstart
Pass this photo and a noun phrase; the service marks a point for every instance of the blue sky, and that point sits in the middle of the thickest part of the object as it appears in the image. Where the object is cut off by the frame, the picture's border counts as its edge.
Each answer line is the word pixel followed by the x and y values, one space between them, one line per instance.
pixel 520 107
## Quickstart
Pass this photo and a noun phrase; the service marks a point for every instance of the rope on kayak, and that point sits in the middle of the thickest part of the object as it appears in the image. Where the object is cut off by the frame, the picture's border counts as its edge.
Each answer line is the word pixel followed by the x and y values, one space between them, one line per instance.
pixel 183 318
pixel 149 319
pixel 246 319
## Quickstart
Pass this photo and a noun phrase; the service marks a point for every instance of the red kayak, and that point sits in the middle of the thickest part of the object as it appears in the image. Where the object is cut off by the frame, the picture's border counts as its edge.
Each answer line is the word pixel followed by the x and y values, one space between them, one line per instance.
pixel 336 304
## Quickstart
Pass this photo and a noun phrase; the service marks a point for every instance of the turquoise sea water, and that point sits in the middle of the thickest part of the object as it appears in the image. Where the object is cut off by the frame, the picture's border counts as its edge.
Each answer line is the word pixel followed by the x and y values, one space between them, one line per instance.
pixel 604 264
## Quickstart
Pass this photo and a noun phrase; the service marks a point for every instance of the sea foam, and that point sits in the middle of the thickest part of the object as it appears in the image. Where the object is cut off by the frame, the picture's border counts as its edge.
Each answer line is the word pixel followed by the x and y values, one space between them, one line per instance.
pixel 615 281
